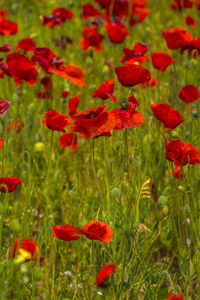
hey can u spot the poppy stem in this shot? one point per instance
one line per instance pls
(50, 150)
(126, 152)
(95, 171)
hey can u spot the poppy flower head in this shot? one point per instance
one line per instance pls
(135, 54)
(165, 113)
(22, 68)
(132, 74)
(56, 121)
(65, 94)
(174, 297)
(180, 4)
(73, 105)
(4, 106)
(138, 15)
(65, 232)
(96, 230)
(177, 37)
(27, 44)
(152, 82)
(105, 91)
(91, 38)
(5, 48)
(117, 31)
(30, 246)
(69, 140)
(89, 11)
(190, 21)
(189, 93)
(9, 184)
(7, 27)
(161, 60)
(104, 274)
(75, 74)
(59, 16)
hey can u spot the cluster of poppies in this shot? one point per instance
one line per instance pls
(22, 63)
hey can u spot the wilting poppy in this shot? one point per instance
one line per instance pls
(190, 21)
(117, 31)
(96, 230)
(165, 113)
(22, 68)
(189, 93)
(65, 232)
(161, 60)
(104, 274)
(5, 48)
(56, 121)
(48, 87)
(177, 37)
(181, 152)
(89, 11)
(93, 122)
(9, 184)
(69, 140)
(131, 74)
(136, 54)
(174, 297)
(105, 91)
(180, 4)
(28, 245)
(73, 105)
(91, 38)
(1, 143)
(7, 27)
(27, 44)
(4, 106)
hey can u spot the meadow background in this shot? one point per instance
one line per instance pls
(154, 216)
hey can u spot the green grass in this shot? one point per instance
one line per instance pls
(150, 264)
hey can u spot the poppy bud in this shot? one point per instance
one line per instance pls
(124, 104)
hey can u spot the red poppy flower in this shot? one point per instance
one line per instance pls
(7, 27)
(104, 274)
(131, 74)
(4, 106)
(73, 73)
(128, 117)
(137, 53)
(69, 140)
(119, 9)
(165, 113)
(5, 48)
(96, 230)
(30, 246)
(138, 15)
(22, 68)
(27, 44)
(189, 93)
(180, 4)
(181, 152)
(18, 125)
(161, 60)
(56, 121)
(174, 297)
(9, 184)
(65, 94)
(65, 232)
(1, 143)
(90, 11)
(190, 21)
(91, 38)
(59, 16)
(93, 122)
(73, 104)
(177, 37)
(150, 83)
(3, 12)
(105, 91)
(117, 31)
